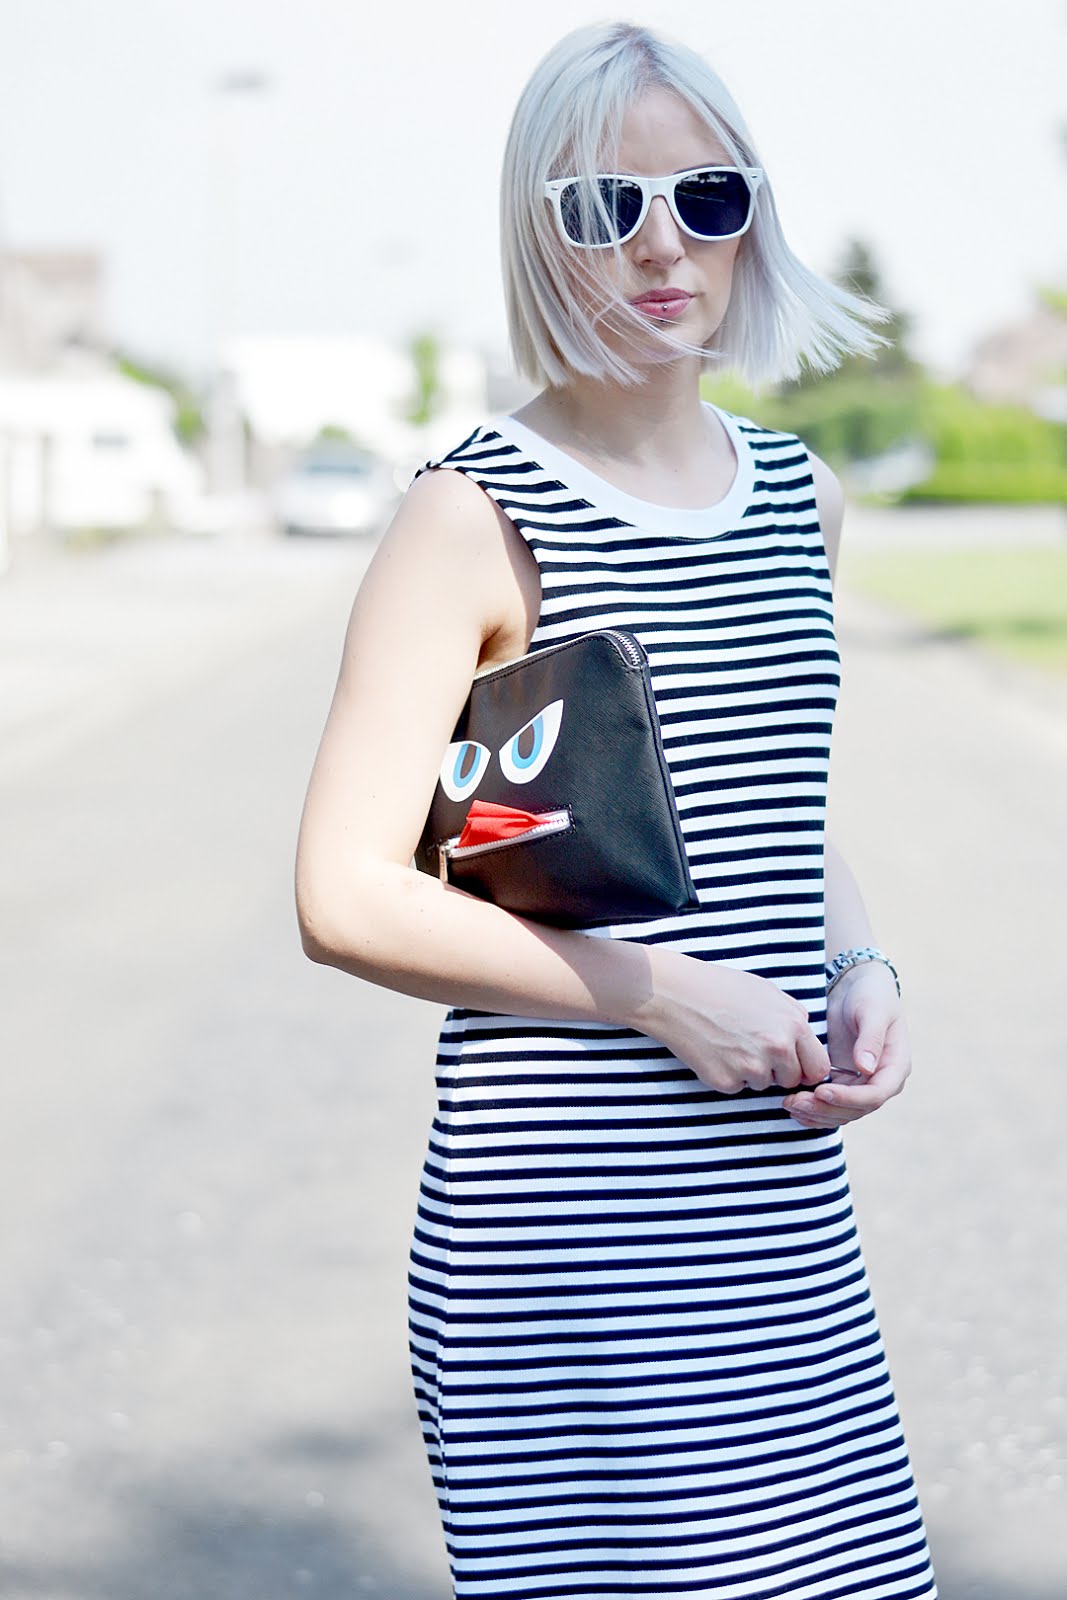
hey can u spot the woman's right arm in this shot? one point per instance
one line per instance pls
(433, 594)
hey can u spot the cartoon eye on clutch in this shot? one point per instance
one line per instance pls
(553, 796)
(521, 758)
(491, 823)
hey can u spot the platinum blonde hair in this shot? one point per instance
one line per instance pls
(568, 122)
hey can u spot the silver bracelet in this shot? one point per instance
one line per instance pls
(851, 958)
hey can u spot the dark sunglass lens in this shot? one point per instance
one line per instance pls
(570, 204)
(623, 201)
(713, 204)
(583, 221)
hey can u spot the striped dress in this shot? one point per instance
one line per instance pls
(645, 1356)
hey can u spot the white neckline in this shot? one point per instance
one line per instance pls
(691, 522)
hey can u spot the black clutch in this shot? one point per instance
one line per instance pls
(554, 799)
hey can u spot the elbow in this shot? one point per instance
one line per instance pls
(347, 924)
(316, 913)
(329, 943)
(320, 936)
(315, 940)
(314, 948)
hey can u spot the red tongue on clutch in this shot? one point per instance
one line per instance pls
(487, 821)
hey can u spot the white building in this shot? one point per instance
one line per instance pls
(51, 309)
(86, 450)
(81, 446)
(289, 387)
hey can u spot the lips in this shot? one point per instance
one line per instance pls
(661, 297)
(663, 303)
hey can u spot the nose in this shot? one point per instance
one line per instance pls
(659, 241)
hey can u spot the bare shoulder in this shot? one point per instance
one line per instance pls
(431, 602)
(830, 504)
(444, 514)
(451, 540)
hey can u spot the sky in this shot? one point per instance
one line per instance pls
(356, 190)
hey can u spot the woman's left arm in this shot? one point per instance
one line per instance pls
(866, 1034)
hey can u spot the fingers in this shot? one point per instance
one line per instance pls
(860, 1098)
(806, 1110)
(831, 1105)
(847, 1102)
(787, 1072)
(867, 1050)
(813, 1110)
(813, 1058)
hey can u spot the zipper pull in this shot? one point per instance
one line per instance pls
(442, 860)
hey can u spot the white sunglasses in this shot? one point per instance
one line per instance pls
(706, 203)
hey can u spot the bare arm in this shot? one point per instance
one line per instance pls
(419, 621)
(866, 1031)
(847, 923)
(432, 597)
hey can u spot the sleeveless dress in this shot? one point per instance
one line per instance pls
(645, 1356)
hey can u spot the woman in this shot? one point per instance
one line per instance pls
(644, 1350)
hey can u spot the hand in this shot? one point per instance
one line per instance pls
(734, 1029)
(869, 1049)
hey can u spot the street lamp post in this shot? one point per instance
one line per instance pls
(226, 467)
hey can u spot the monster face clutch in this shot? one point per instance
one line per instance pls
(554, 799)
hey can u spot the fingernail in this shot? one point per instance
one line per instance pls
(867, 1061)
(826, 1094)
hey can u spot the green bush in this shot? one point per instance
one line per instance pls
(842, 419)
(987, 452)
(998, 482)
(994, 453)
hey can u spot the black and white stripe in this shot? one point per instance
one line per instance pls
(644, 1350)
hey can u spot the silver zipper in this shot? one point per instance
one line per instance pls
(628, 647)
(451, 849)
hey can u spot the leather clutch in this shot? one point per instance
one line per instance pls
(554, 799)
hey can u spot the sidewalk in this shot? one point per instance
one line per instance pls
(948, 791)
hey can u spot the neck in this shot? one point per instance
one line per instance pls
(660, 419)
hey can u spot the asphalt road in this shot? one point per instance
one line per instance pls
(209, 1148)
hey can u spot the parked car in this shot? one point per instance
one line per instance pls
(335, 488)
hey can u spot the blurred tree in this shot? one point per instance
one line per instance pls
(869, 404)
(425, 352)
(189, 421)
(859, 272)
(334, 431)
(1052, 296)
(869, 407)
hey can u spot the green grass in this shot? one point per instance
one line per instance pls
(1014, 601)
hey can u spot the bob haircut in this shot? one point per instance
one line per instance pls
(567, 123)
